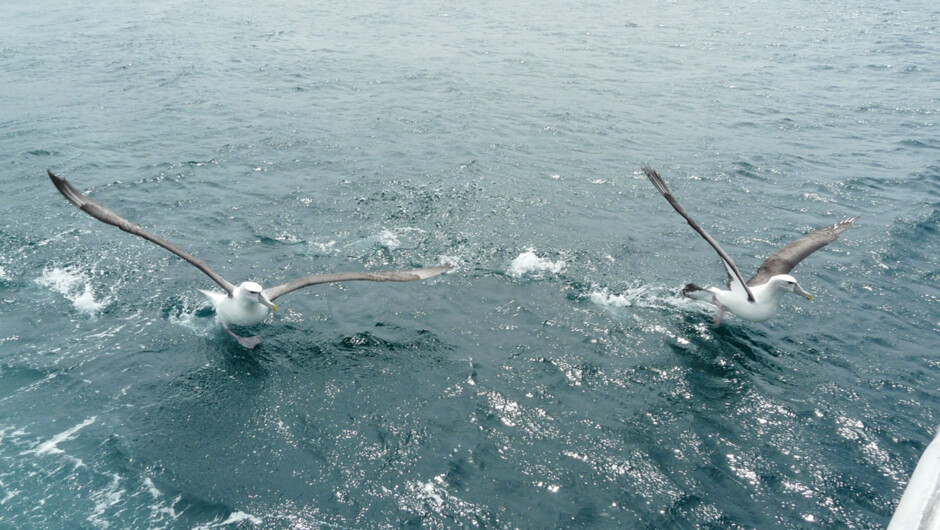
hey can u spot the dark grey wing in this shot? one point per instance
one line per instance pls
(783, 261)
(385, 276)
(105, 215)
(733, 272)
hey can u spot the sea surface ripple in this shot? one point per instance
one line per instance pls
(555, 378)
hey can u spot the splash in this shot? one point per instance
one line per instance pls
(325, 248)
(389, 240)
(646, 296)
(75, 286)
(605, 298)
(641, 296)
(528, 262)
(453, 261)
(187, 313)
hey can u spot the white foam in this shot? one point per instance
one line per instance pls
(110, 332)
(603, 297)
(62, 281)
(104, 499)
(51, 446)
(161, 509)
(86, 302)
(389, 240)
(646, 296)
(528, 262)
(816, 197)
(287, 237)
(16, 434)
(55, 238)
(74, 285)
(430, 492)
(9, 495)
(641, 296)
(325, 248)
(386, 238)
(186, 316)
(31, 388)
(3, 274)
(233, 518)
(432, 497)
(453, 261)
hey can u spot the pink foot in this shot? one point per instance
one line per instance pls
(247, 342)
(721, 313)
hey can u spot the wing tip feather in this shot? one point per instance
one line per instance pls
(656, 179)
(67, 190)
(844, 224)
(430, 272)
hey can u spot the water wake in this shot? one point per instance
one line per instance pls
(645, 296)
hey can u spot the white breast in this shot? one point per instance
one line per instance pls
(763, 307)
(240, 312)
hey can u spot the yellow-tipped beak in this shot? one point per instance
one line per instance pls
(799, 290)
(264, 300)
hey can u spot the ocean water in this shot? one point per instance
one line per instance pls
(555, 378)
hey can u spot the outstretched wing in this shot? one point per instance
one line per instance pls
(105, 215)
(734, 275)
(783, 261)
(385, 276)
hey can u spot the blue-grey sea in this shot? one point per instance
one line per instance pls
(556, 378)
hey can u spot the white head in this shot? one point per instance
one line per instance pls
(253, 292)
(787, 283)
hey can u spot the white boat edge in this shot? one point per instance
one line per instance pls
(920, 504)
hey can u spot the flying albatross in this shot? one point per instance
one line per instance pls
(756, 299)
(248, 303)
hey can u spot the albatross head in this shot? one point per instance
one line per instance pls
(253, 292)
(788, 283)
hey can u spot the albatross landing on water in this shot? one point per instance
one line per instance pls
(248, 303)
(756, 299)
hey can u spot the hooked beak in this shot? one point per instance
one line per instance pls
(799, 290)
(264, 301)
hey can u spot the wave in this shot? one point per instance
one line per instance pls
(51, 446)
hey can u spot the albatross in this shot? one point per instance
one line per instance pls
(245, 304)
(758, 298)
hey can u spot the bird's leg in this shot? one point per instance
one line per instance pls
(721, 313)
(248, 342)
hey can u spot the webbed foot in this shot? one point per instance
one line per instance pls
(721, 313)
(247, 342)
